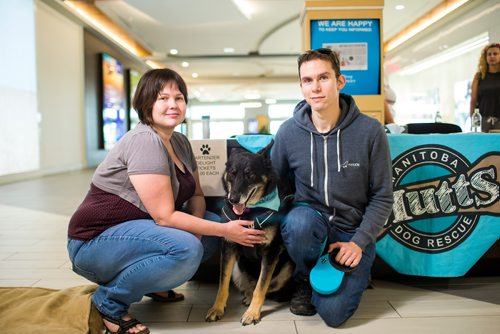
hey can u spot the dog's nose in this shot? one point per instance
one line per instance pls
(234, 198)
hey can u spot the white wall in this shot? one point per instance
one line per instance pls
(19, 132)
(60, 69)
(41, 91)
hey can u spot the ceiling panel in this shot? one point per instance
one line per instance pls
(265, 35)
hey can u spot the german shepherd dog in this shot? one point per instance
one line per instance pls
(249, 180)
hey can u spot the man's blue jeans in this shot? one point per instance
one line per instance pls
(138, 257)
(304, 230)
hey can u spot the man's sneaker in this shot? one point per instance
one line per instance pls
(301, 299)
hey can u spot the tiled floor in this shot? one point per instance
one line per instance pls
(33, 221)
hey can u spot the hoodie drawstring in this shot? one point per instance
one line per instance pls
(325, 166)
(338, 151)
(312, 162)
(325, 158)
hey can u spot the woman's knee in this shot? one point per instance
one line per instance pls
(181, 262)
(190, 249)
(179, 246)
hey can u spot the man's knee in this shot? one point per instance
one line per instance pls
(299, 222)
(336, 315)
(296, 228)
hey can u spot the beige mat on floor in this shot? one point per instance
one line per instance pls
(41, 310)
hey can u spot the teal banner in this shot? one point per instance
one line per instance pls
(446, 211)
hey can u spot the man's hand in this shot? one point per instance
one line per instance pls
(349, 253)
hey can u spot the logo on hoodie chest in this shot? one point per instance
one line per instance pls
(348, 163)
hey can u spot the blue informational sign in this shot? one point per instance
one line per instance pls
(357, 41)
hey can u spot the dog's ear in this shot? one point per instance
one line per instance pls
(266, 151)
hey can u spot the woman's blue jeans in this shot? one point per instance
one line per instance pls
(304, 230)
(138, 257)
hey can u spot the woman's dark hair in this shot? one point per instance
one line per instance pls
(322, 54)
(150, 86)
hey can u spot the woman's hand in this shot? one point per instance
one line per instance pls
(236, 231)
(349, 253)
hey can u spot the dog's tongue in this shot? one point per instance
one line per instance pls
(238, 209)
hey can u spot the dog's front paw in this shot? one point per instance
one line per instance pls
(214, 314)
(250, 318)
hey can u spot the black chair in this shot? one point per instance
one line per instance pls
(424, 128)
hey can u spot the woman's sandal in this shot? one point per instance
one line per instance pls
(123, 325)
(172, 296)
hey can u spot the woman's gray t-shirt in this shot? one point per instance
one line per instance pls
(141, 151)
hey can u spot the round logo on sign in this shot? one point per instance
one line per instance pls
(431, 215)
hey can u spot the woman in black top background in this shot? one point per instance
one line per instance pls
(485, 93)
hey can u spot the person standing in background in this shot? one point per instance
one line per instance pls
(389, 101)
(485, 91)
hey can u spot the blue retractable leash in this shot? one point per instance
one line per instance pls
(326, 276)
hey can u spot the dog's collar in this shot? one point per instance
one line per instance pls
(259, 221)
(263, 215)
(271, 201)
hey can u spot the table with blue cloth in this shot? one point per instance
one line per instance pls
(446, 211)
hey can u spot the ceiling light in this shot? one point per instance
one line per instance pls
(251, 104)
(450, 29)
(245, 7)
(195, 75)
(174, 51)
(271, 101)
(154, 64)
(252, 96)
(100, 21)
(449, 54)
(185, 64)
(228, 50)
(422, 23)
(399, 7)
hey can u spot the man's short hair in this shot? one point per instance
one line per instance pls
(322, 54)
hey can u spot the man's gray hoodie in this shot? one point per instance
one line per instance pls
(345, 173)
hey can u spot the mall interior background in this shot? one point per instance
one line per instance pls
(49, 94)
